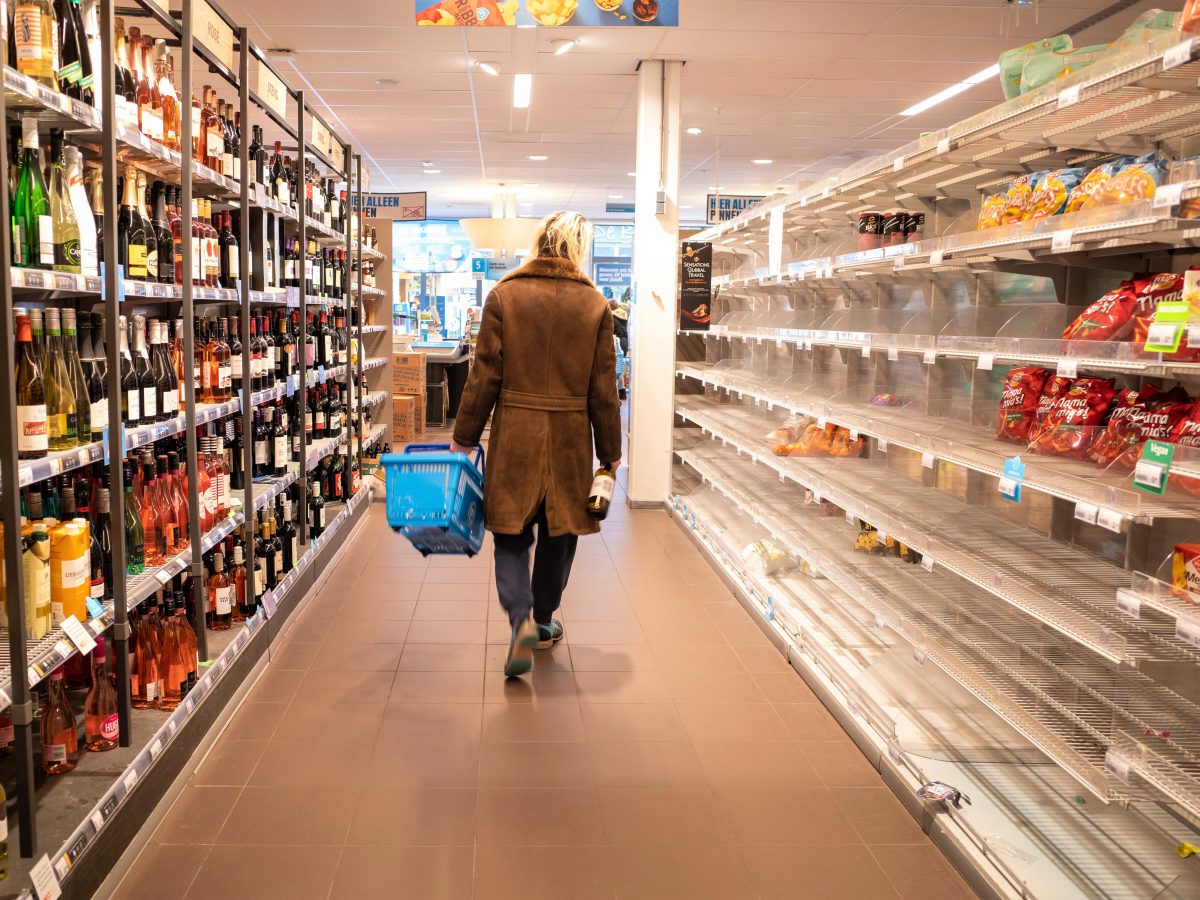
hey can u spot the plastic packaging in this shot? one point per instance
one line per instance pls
(766, 558)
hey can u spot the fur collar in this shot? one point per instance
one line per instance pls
(548, 267)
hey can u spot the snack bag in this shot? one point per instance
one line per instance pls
(1157, 422)
(1186, 433)
(1108, 319)
(1052, 393)
(1049, 198)
(1019, 403)
(1084, 195)
(1151, 290)
(1136, 180)
(1017, 197)
(765, 558)
(1185, 572)
(1012, 62)
(991, 212)
(1075, 419)
(1122, 429)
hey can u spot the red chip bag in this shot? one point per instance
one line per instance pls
(1108, 319)
(1052, 393)
(1121, 431)
(1151, 290)
(1019, 404)
(1075, 419)
(1186, 433)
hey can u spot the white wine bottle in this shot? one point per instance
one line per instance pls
(600, 496)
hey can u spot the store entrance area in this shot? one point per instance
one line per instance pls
(665, 749)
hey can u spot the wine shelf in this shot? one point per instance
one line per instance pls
(65, 282)
(376, 397)
(374, 363)
(376, 434)
(371, 291)
(371, 329)
(370, 252)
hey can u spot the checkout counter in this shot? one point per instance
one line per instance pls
(447, 364)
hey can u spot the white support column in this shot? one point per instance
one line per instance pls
(655, 282)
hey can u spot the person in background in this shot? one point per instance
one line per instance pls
(545, 370)
(620, 316)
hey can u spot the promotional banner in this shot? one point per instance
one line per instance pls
(723, 207)
(547, 13)
(401, 207)
(695, 286)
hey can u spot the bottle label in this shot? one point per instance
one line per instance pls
(278, 563)
(133, 400)
(320, 421)
(67, 254)
(171, 401)
(281, 451)
(235, 366)
(152, 124)
(216, 145)
(320, 517)
(27, 24)
(224, 600)
(110, 728)
(152, 263)
(151, 404)
(76, 572)
(137, 261)
(225, 373)
(33, 434)
(99, 417)
(282, 192)
(195, 123)
(260, 453)
(602, 487)
(70, 73)
(289, 269)
(295, 549)
(232, 259)
(97, 591)
(196, 260)
(54, 753)
(206, 377)
(46, 239)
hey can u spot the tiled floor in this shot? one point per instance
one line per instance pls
(663, 750)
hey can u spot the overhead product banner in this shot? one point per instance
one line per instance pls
(723, 207)
(398, 207)
(272, 91)
(695, 286)
(547, 13)
(213, 32)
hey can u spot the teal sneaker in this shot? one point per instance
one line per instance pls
(549, 635)
(520, 648)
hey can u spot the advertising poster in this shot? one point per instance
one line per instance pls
(547, 13)
(403, 207)
(695, 286)
(723, 207)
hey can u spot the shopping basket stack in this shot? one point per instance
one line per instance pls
(435, 498)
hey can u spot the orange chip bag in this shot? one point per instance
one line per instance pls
(1016, 199)
(991, 212)
(1049, 198)
(1135, 181)
(1083, 196)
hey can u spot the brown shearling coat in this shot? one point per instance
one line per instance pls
(545, 364)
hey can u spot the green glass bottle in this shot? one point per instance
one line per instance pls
(32, 226)
(135, 545)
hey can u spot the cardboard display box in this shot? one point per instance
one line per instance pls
(408, 373)
(404, 419)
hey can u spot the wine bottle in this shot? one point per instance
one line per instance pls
(600, 496)
(165, 273)
(131, 387)
(86, 82)
(147, 230)
(97, 384)
(35, 32)
(102, 568)
(32, 225)
(125, 86)
(70, 63)
(32, 427)
(60, 393)
(78, 380)
(101, 729)
(131, 235)
(135, 549)
(60, 742)
(62, 210)
(84, 220)
(148, 403)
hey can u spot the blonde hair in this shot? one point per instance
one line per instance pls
(565, 235)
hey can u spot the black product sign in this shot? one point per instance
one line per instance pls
(695, 286)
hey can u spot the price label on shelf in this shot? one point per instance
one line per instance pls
(882, 444)
(1188, 630)
(898, 263)
(1086, 512)
(927, 562)
(1068, 96)
(880, 623)
(1060, 241)
(1118, 766)
(130, 781)
(937, 257)
(1176, 56)
(893, 354)
(895, 754)
(44, 881)
(865, 349)
(1129, 602)
(78, 635)
(1068, 368)
(1012, 479)
(929, 357)
(155, 748)
(943, 146)
(898, 164)
(1150, 473)
(1110, 519)
(919, 655)
(1167, 195)
(927, 460)
(985, 362)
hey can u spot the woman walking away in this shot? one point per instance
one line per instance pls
(545, 364)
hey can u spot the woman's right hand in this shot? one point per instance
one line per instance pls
(614, 466)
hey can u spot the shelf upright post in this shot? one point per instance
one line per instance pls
(189, 336)
(352, 383)
(21, 710)
(356, 187)
(244, 286)
(116, 427)
(302, 389)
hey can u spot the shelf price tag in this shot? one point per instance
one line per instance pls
(1118, 766)
(1068, 368)
(78, 635)
(898, 164)
(943, 146)
(1150, 473)
(937, 257)
(1170, 321)
(45, 882)
(927, 460)
(1167, 195)
(1068, 96)
(1110, 519)
(1177, 55)
(865, 349)
(927, 562)
(986, 362)
(1060, 241)
(1188, 630)
(1129, 602)
(1086, 512)
(893, 354)
(1012, 479)
(929, 357)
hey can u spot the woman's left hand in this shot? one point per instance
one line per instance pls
(456, 447)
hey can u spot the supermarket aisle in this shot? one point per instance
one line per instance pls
(665, 749)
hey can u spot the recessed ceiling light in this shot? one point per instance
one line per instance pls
(522, 90)
(563, 46)
(693, 131)
(616, 196)
(531, 184)
(387, 82)
(428, 164)
(539, 158)
(432, 171)
(631, 174)
(719, 187)
(762, 162)
(688, 206)
(488, 67)
(953, 91)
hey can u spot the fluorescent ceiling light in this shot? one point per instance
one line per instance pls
(616, 196)
(563, 46)
(539, 158)
(953, 91)
(522, 90)
(762, 162)
(688, 206)
(693, 131)
(432, 171)
(488, 68)
(719, 187)
(631, 174)
(387, 82)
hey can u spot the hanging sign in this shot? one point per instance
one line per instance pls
(337, 155)
(725, 207)
(547, 13)
(272, 92)
(213, 32)
(320, 136)
(695, 286)
(401, 207)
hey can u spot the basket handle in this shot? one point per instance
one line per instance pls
(425, 448)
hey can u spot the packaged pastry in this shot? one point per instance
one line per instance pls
(1108, 319)
(1084, 195)
(1019, 403)
(1017, 197)
(1185, 572)
(1049, 198)
(1136, 180)
(844, 445)
(789, 431)
(991, 212)
(1075, 419)
(868, 539)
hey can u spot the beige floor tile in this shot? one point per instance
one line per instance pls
(541, 764)
(713, 687)
(612, 657)
(294, 655)
(345, 687)
(442, 658)
(432, 817)
(532, 722)
(255, 721)
(647, 764)
(834, 872)
(290, 814)
(721, 721)
(367, 631)
(742, 633)
(447, 722)
(543, 873)
(422, 763)
(277, 685)
(316, 721)
(785, 687)
(762, 659)
(163, 871)
(681, 872)
(538, 817)
(197, 815)
(632, 722)
(266, 873)
(634, 817)
(381, 659)
(554, 659)
(229, 763)
(697, 658)
(729, 611)
(478, 575)
(621, 687)
(921, 873)
(598, 611)
(413, 573)
(703, 633)
(447, 632)
(360, 608)
(437, 593)
(840, 764)
(339, 764)
(786, 816)
(405, 873)
(756, 766)
(452, 610)
(542, 685)
(594, 591)
(878, 816)
(382, 593)
(662, 615)
(437, 687)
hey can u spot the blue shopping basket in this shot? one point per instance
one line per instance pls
(435, 498)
